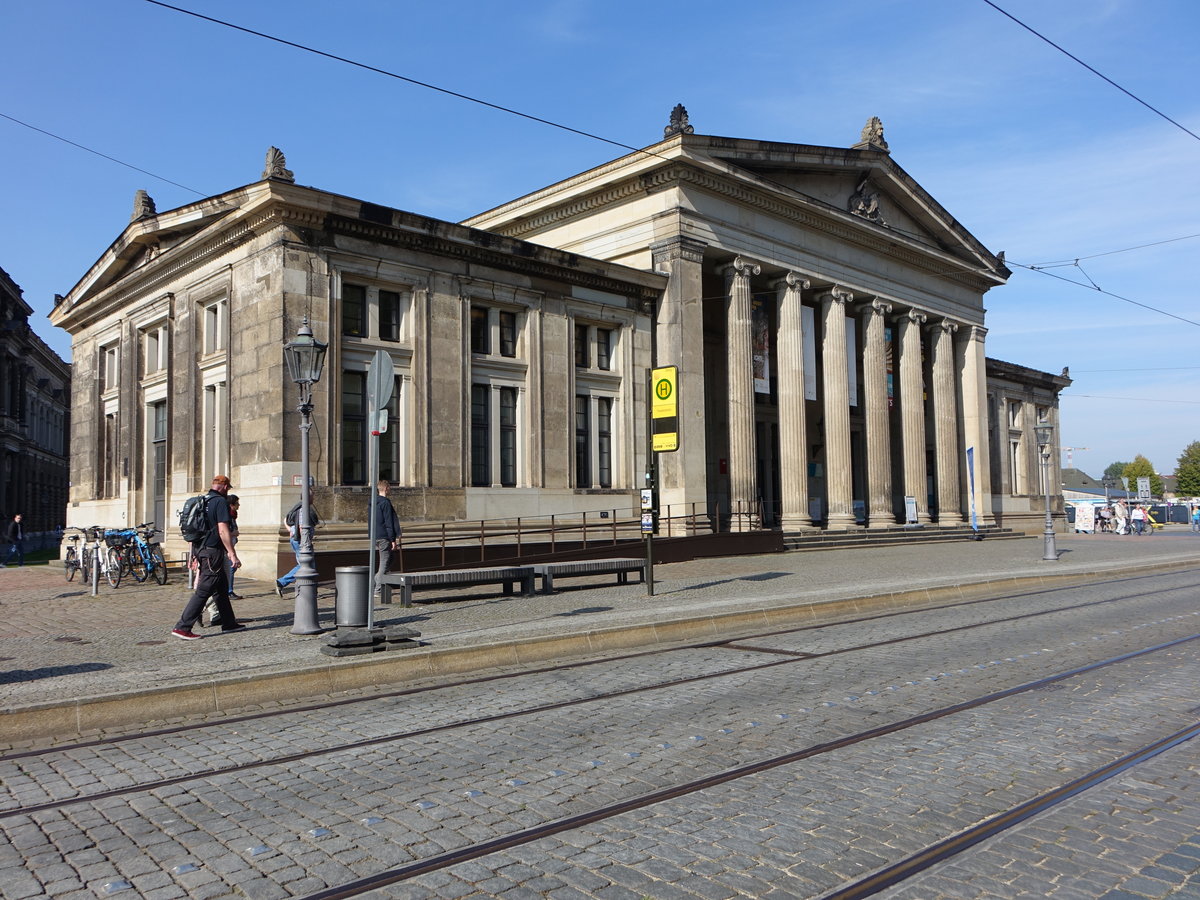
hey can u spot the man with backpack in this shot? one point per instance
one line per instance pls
(292, 522)
(211, 546)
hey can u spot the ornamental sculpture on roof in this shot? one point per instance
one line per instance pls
(679, 122)
(276, 168)
(143, 206)
(872, 136)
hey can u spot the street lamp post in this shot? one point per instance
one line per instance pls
(305, 358)
(1045, 432)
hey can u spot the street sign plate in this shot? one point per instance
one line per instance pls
(380, 380)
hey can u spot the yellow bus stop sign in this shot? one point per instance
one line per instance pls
(664, 408)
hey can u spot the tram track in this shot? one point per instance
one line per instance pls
(781, 658)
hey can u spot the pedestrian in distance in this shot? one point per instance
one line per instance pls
(210, 553)
(16, 541)
(1138, 517)
(292, 523)
(387, 531)
(1196, 519)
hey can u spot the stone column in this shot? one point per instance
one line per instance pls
(679, 317)
(912, 411)
(836, 391)
(972, 367)
(793, 431)
(945, 423)
(743, 474)
(881, 511)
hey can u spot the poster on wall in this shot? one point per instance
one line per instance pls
(852, 360)
(760, 335)
(888, 358)
(808, 324)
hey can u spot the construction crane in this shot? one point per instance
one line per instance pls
(1070, 458)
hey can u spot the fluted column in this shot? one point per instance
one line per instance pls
(743, 475)
(945, 423)
(836, 392)
(881, 510)
(912, 411)
(793, 430)
(972, 366)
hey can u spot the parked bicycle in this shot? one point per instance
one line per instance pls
(71, 563)
(97, 552)
(144, 555)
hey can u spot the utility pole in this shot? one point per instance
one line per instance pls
(1070, 458)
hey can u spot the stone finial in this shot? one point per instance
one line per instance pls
(864, 202)
(679, 122)
(143, 207)
(872, 136)
(276, 168)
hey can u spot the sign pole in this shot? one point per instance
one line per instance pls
(648, 492)
(380, 382)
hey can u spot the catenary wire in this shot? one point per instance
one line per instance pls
(1071, 262)
(1090, 69)
(1093, 287)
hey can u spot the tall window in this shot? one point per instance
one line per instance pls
(354, 310)
(108, 373)
(215, 429)
(508, 333)
(389, 441)
(604, 348)
(583, 441)
(157, 416)
(495, 331)
(593, 441)
(214, 320)
(594, 346)
(389, 315)
(109, 456)
(154, 350)
(582, 359)
(508, 437)
(481, 435)
(604, 441)
(481, 333)
(354, 427)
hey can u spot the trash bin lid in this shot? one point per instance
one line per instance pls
(353, 570)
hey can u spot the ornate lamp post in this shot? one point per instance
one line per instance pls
(305, 358)
(1045, 433)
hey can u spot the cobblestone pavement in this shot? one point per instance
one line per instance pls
(290, 828)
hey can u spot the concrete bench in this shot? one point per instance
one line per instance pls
(619, 567)
(506, 575)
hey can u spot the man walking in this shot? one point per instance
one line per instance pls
(292, 522)
(210, 553)
(16, 541)
(387, 531)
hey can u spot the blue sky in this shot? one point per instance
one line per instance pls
(1031, 152)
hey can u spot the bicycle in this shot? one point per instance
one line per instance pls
(107, 558)
(144, 556)
(71, 563)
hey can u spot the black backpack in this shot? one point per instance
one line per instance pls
(193, 519)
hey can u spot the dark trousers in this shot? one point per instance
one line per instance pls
(18, 548)
(210, 583)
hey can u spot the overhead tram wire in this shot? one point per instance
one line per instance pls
(1072, 396)
(101, 155)
(1056, 263)
(1090, 69)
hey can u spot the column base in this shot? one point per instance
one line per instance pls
(886, 520)
(842, 523)
(797, 524)
(951, 521)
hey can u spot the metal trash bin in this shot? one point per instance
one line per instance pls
(353, 595)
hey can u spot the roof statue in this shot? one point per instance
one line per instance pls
(864, 202)
(143, 206)
(872, 136)
(276, 168)
(679, 122)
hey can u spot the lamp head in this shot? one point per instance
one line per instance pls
(305, 356)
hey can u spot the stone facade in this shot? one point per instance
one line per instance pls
(35, 390)
(826, 315)
(516, 367)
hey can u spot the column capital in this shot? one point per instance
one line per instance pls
(915, 316)
(740, 268)
(946, 325)
(792, 281)
(875, 306)
(975, 332)
(678, 247)
(836, 294)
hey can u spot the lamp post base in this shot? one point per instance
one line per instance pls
(1051, 549)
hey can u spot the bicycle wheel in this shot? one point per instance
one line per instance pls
(70, 564)
(112, 567)
(136, 557)
(159, 564)
(86, 566)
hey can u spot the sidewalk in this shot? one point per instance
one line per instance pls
(72, 664)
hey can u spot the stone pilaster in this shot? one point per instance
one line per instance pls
(972, 367)
(912, 411)
(945, 423)
(836, 383)
(881, 510)
(793, 430)
(679, 317)
(743, 474)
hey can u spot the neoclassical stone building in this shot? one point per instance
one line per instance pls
(516, 367)
(35, 390)
(826, 314)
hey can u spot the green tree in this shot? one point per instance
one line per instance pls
(1141, 467)
(1114, 470)
(1188, 470)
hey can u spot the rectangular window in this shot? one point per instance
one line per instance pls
(481, 435)
(389, 315)
(216, 326)
(508, 333)
(354, 427)
(108, 368)
(481, 332)
(508, 437)
(389, 441)
(354, 310)
(583, 441)
(604, 348)
(1014, 413)
(215, 444)
(108, 457)
(1015, 469)
(153, 360)
(604, 441)
(581, 346)
(158, 463)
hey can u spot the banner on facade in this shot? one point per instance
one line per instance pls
(808, 324)
(760, 336)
